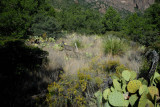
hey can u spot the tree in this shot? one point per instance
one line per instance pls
(153, 15)
(16, 16)
(43, 23)
(81, 20)
(112, 20)
(138, 29)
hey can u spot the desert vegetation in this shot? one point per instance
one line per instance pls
(56, 55)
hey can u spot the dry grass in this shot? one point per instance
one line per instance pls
(92, 47)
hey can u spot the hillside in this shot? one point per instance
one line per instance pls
(66, 53)
(102, 5)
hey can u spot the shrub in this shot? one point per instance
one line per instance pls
(78, 42)
(115, 46)
(71, 90)
(113, 67)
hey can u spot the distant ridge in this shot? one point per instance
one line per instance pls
(102, 5)
(128, 5)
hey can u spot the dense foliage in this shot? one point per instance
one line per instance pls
(81, 20)
(112, 20)
(16, 16)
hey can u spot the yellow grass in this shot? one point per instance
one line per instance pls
(92, 47)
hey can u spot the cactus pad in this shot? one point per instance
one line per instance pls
(157, 80)
(143, 89)
(143, 101)
(124, 85)
(112, 89)
(117, 85)
(153, 91)
(116, 99)
(143, 81)
(106, 93)
(133, 99)
(133, 86)
(126, 103)
(126, 75)
(98, 95)
(150, 104)
(107, 104)
(133, 75)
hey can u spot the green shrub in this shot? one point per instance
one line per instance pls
(72, 90)
(115, 46)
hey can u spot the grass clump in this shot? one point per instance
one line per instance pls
(78, 43)
(115, 46)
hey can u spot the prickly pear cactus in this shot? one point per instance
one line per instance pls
(133, 99)
(116, 99)
(156, 74)
(106, 93)
(99, 98)
(126, 103)
(143, 81)
(143, 89)
(117, 85)
(153, 81)
(124, 85)
(126, 75)
(153, 91)
(112, 89)
(143, 101)
(133, 75)
(157, 80)
(150, 104)
(107, 104)
(133, 86)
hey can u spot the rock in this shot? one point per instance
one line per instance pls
(128, 5)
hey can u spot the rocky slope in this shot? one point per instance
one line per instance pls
(128, 5)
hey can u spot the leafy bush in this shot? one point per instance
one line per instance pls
(115, 46)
